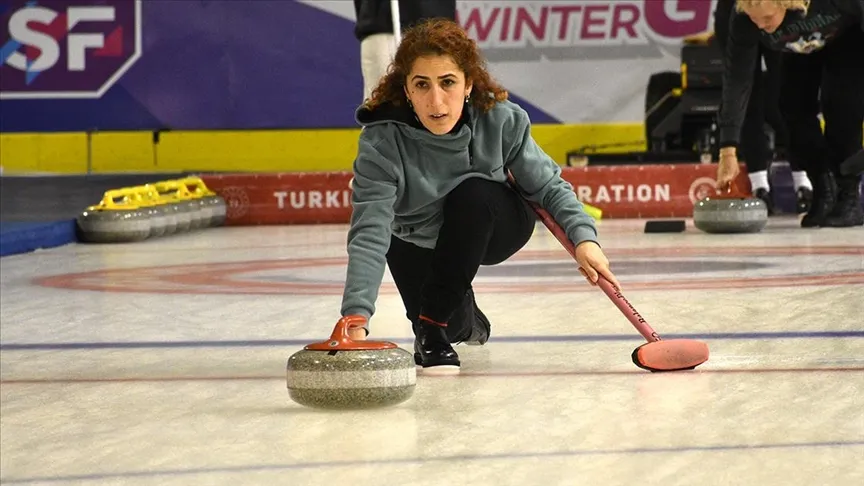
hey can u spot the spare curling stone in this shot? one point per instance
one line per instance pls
(116, 219)
(182, 197)
(149, 194)
(730, 212)
(157, 215)
(177, 215)
(344, 374)
(198, 195)
(218, 209)
(185, 212)
(201, 218)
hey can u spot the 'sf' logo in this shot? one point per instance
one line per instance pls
(68, 49)
(44, 43)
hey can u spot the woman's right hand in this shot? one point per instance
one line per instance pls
(358, 327)
(727, 168)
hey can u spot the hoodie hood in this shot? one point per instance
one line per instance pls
(386, 113)
(404, 115)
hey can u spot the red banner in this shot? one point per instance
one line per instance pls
(646, 191)
(286, 198)
(633, 191)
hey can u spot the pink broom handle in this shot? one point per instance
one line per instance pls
(614, 295)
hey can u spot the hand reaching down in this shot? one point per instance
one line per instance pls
(592, 263)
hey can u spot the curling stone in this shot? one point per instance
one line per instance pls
(149, 194)
(200, 209)
(187, 212)
(177, 215)
(218, 209)
(116, 219)
(344, 374)
(182, 197)
(157, 215)
(198, 195)
(730, 212)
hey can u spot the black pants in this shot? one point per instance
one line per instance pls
(485, 223)
(838, 71)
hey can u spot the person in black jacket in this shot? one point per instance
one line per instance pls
(764, 107)
(823, 70)
(374, 30)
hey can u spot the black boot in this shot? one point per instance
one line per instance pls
(824, 199)
(847, 212)
(474, 327)
(467, 325)
(432, 348)
(481, 330)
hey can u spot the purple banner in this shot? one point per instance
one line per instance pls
(77, 65)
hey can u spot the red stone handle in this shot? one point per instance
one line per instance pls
(340, 340)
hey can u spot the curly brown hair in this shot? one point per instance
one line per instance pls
(438, 36)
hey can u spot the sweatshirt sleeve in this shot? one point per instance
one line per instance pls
(741, 55)
(374, 194)
(539, 177)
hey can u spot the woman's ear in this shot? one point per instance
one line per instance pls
(407, 98)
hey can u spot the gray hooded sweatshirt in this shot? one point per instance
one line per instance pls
(403, 173)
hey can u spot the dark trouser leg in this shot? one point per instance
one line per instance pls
(843, 110)
(754, 140)
(409, 265)
(799, 104)
(773, 115)
(484, 223)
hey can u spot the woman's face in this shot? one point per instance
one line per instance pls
(766, 15)
(437, 89)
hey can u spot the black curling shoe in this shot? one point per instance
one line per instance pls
(432, 351)
(824, 199)
(847, 212)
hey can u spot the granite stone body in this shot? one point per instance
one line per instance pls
(732, 215)
(352, 379)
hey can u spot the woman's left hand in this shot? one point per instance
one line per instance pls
(592, 263)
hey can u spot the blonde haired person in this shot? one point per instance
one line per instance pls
(764, 107)
(822, 71)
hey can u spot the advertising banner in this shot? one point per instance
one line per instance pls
(655, 191)
(584, 61)
(76, 65)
